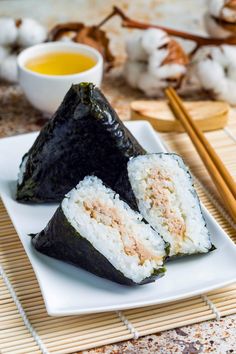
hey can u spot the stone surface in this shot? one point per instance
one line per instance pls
(17, 117)
(207, 337)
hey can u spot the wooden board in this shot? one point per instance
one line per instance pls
(210, 115)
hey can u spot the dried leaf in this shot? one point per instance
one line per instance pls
(230, 4)
(80, 33)
(176, 54)
(227, 14)
(61, 29)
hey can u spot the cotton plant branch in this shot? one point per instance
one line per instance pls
(209, 70)
(95, 36)
(200, 40)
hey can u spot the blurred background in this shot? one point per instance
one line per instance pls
(181, 14)
(151, 75)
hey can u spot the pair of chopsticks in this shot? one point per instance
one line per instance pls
(221, 177)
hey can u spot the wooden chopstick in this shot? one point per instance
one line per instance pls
(216, 173)
(217, 161)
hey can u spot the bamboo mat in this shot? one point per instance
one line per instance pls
(25, 326)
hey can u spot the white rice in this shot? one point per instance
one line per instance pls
(107, 239)
(178, 203)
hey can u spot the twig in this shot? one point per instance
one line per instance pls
(108, 17)
(130, 23)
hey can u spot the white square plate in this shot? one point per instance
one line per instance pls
(68, 290)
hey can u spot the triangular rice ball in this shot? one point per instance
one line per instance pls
(84, 137)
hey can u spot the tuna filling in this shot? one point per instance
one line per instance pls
(160, 193)
(110, 217)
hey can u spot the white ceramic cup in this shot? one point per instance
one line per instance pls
(46, 92)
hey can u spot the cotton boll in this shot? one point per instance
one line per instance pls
(214, 29)
(192, 79)
(134, 47)
(153, 39)
(211, 52)
(232, 71)
(228, 12)
(214, 80)
(8, 31)
(229, 93)
(217, 72)
(210, 74)
(223, 10)
(168, 63)
(170, 71)
(156, 59)
(230, 53)
(215, 7)
(8, 69)
(229, 15)
(30, 32)
(202, 53)
(166, 71)
(4, 52)
(151, 85)
(133, 71)
(218, 55)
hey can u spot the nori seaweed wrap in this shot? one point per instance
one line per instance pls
(94, 229)
(84, 137)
